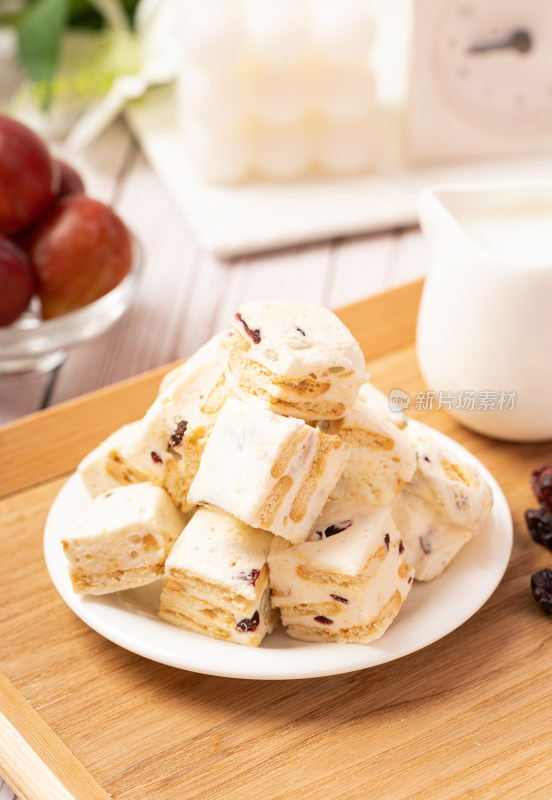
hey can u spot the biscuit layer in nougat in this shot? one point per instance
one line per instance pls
(216, 580)
(270, 471)
(297, 359)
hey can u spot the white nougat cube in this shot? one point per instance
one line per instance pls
(217, 579)
(347, 582)
(121, 539)
(167, 443)
(272, 472)
(104, 467)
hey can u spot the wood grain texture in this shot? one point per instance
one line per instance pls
(467, 717)
(35, 762)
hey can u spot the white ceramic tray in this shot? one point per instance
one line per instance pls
(236, 220)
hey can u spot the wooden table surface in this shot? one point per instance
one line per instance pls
(186, 294)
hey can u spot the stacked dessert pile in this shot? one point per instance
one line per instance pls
(269, 480)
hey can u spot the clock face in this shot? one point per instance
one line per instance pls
(493, 62)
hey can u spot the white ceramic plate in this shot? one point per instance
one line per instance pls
(430, 611)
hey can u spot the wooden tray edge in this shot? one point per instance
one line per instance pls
(35, 762)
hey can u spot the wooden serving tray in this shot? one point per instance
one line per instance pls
(82, 718)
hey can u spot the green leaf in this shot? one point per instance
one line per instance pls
(84, 15)
(39, 35)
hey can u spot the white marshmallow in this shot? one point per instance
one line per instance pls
(282, 98)
(382, 458)
(219, 157)
(212, 32)
(456, 491)
(431, 541)
(282, 152)
(345, 149)
(219, 100)
(344, 30)
(277, 31)
(345, 94)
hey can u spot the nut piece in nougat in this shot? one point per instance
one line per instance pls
(121, 539)
(298, 359)
(270, 471)
(104, 467)
(347, 582)
(382, 457)
(168, 442)
(216, 579)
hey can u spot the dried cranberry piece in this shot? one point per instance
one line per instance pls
(387, 540)
(541, 586)
(178, 435)
(541, 483)
(255, 334)
(539, 524)
(337, 527)
(156, 458)
(323, 620)
(249, 625)
(401, 546)
(341, 599)
(249, 577)
(301, 331)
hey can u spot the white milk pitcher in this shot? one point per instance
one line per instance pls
(484, 336)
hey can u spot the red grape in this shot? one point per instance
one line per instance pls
(29, 179)
(17, 282)
(70, 180)
(79, 251)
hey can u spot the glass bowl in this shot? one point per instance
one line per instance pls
(34, 344)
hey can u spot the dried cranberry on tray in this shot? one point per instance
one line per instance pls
(539, 525)
(541, 586)
(541, 483)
